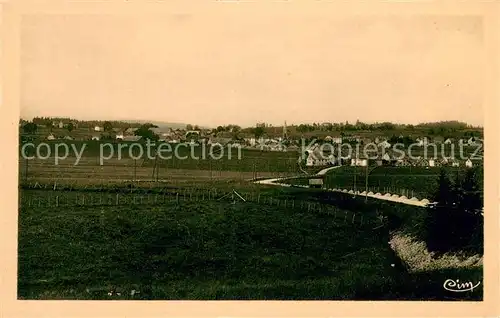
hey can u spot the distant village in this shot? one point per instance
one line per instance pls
(265, 138)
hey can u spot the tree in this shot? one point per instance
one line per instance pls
(30, 128)
(48, 124)
(468, 192)
(146, 133)
(455, 222)
(70, 127)
(189, 127)
(258, 132)
(107, 126)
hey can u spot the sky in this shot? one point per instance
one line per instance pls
(230, 68)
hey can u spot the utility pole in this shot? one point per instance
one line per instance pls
(355, 172)
(135, 170)
(26, 170)
(157, 167)
(366, 184)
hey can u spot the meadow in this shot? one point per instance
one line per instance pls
(125, 230)
(209, 249)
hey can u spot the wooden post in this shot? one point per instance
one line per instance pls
(26, 170)
(135, 170)
(57, 200)
(116, 201)
(345, 219)
(361, 219)
(177, 197)
(353, 216)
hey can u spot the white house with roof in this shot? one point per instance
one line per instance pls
(454, 163)
(51, 137)
(468, 163)
(386, 157)
(384, 144)
(131, 138)
(97, 128)
(359, 162)
(422, 141)
(472, 141)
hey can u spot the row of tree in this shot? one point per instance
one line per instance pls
(456, 221)
(49, 121)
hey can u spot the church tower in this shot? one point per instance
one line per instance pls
(285, 134)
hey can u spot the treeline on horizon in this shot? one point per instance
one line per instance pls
(438, 127)
(46, 121)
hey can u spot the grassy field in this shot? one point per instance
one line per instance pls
(208, 250)
(197, 158)
(212, 250)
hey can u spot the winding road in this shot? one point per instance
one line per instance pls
(387, 196)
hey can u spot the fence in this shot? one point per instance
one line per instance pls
(248, 167)
(64, 199)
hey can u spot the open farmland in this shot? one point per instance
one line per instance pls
(210, 249)
(228, 163)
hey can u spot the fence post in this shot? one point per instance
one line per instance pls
(116, 201)
(361, 219)
(345, 219)
(57, 200)
(258, 198)
(177, 197)
(353, 216)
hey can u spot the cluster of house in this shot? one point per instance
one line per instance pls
(419, 141)
(314, 157)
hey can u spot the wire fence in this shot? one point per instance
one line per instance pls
(63, 200)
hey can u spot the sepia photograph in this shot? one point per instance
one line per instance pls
(241, 154)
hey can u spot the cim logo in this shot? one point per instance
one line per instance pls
(457, 287)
